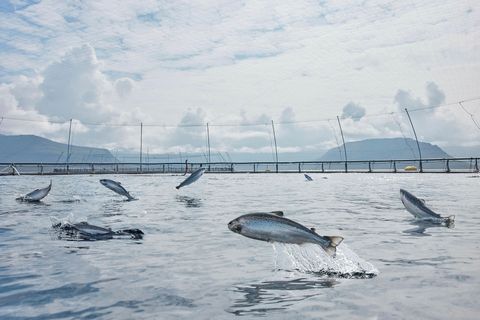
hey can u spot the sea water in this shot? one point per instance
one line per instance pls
(190, 266)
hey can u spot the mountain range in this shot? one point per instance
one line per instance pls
(30, 148)
(384, 149)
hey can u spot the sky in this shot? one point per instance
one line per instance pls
(177, 65)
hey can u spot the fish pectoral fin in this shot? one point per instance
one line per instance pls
(277, 213)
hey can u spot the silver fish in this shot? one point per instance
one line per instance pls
(117, 187)
(418, 208)
(192, 178)
(275, 228)
(86, 231)
(37, 194)
(308, 177)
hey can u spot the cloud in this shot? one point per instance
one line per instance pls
(123, 87)
(138, 61)
(436, 122)
(74, 87)
(353, 111)
(190, 135)
(11, 100)
(435, 97)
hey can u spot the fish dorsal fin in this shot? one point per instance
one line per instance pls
(313, 229)
(422, 200)
(277, 213)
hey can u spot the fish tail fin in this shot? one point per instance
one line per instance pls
(334, 242)
(135, 233)
(450, 220)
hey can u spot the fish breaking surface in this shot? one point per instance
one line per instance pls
(311, 258)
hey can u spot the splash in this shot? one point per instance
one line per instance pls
(310, 258)
(70, 219)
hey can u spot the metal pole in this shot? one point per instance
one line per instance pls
(68, 146)
(141, 144)
(418, 145)
(276, 151)
(208, 144)
(344, 147)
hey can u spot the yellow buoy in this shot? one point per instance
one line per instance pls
(410, 168)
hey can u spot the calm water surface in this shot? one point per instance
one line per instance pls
(189, 265)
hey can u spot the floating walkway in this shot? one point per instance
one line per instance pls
(446, 165)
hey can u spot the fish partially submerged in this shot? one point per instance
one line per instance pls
(117, 187)
(88, 232)
(418, 208)
(308, 177)
(192, 178)
(37, 194)
(273, 227)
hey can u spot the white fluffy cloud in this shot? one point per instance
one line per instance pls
(238, 62)
(353, 111)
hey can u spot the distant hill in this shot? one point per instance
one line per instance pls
(384, 149)
(30, 148)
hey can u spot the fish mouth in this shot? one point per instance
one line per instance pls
(235, 226)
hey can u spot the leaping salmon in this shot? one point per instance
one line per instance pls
(418, 208)
(273, 227)
(117, 187)
(37, 194)
(192, 178)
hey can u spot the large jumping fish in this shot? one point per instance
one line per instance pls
(88, 232)
(37, 194)
(418, 208)
(275, 228)
(192, 178)
(117, 187)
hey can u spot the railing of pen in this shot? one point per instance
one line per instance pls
(374, 166)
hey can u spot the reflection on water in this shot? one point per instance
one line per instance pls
(423, 225)
(189, 202)
(32, 203)
(113, 208)
(276, 295)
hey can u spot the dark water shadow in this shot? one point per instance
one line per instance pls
(262, 298)
(70, 200)
(189, 202)
(46, 296)
(137, 307)
(421, 227)
(344, 275)
(32, 203)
